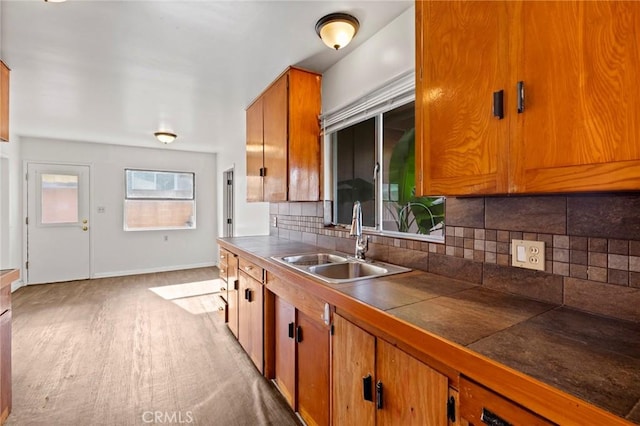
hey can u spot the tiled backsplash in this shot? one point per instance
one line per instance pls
(592, 245)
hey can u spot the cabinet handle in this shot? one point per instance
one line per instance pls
(492, 419)
(498, 104)
(223, 289)
(298, 334)
(249, 295)
(248, 268)
(520, 90)
(291, 330)
(379, 404)
(263, 171)
(367, 392)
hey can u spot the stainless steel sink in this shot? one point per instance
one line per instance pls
(337, 268)
(314, 259)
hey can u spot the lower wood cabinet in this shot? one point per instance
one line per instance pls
(231, 262)
(302, 362)
(5, 365)
(375, 383)
(250, 317)
(480, 406)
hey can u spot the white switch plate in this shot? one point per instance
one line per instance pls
(527, 254)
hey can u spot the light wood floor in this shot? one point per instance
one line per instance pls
(144, 349)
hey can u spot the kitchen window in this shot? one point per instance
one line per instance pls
(158, 200)
(372, 152)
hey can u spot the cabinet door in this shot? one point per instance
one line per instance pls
(353, 352)
(232, 293)
(580, 127)
(313, 370)
(412, 392)
(275, 141)
(4, 102)
(250, 328)
(285, 349)
(462, 59)
(304, 135)
(5, 365)
(254, 151)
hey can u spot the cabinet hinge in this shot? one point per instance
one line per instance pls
(333, 330)
(26, 220)
(229, 221)
(229, 182)
(451, 409)
(26, 264)
(26, 176)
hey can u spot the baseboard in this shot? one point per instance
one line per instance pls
(152, 270)
(17, 284)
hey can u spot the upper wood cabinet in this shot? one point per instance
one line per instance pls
(283, 139)
(4, 102)
(577, 126)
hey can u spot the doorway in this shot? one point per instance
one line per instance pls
(58, 230)
(227, 205)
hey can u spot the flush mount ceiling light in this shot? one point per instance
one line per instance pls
(337, 29)
(165, 137)
(54, 1)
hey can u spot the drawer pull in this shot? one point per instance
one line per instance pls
(367, 385)
(492, 419)
(248, 268)
(223, 289)
(222, 256)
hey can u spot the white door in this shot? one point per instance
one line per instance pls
(58, 227)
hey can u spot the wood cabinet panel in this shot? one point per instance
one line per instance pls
(255, 158)
(476, 401)
(414, 394)
(275, 141)
(304, 136)
(581, 121)
(4, 102)
(577, 131)
(353, 359)
(5, 365)
(232, 293)
(283, 139)
(313, 370)
(285, 348)
(461, 49)
(251, 269)
(250, 318)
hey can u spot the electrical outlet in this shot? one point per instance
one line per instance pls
(527, 254)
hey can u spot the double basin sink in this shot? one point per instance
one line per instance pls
(338, 268)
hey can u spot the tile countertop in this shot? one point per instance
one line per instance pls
(593, 358)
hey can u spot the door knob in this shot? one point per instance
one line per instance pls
(84, 228)
(84, 221)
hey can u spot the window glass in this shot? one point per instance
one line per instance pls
(59, 203)
(377, 168)
(355, 161)
(402, 210)
(159, 200)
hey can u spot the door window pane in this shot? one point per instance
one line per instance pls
(59, 199)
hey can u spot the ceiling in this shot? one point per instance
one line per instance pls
(116, 71)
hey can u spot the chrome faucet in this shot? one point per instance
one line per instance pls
(362, 244)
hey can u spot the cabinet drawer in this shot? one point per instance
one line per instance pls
(480, 406)
(253, 270)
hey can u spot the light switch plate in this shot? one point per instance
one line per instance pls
(527, 254)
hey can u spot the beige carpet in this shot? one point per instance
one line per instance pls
(145, 349)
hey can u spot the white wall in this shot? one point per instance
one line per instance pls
(250, 218)
(386, 55)
(116, 252)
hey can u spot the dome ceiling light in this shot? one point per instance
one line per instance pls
(337, 29)
(165, 137)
